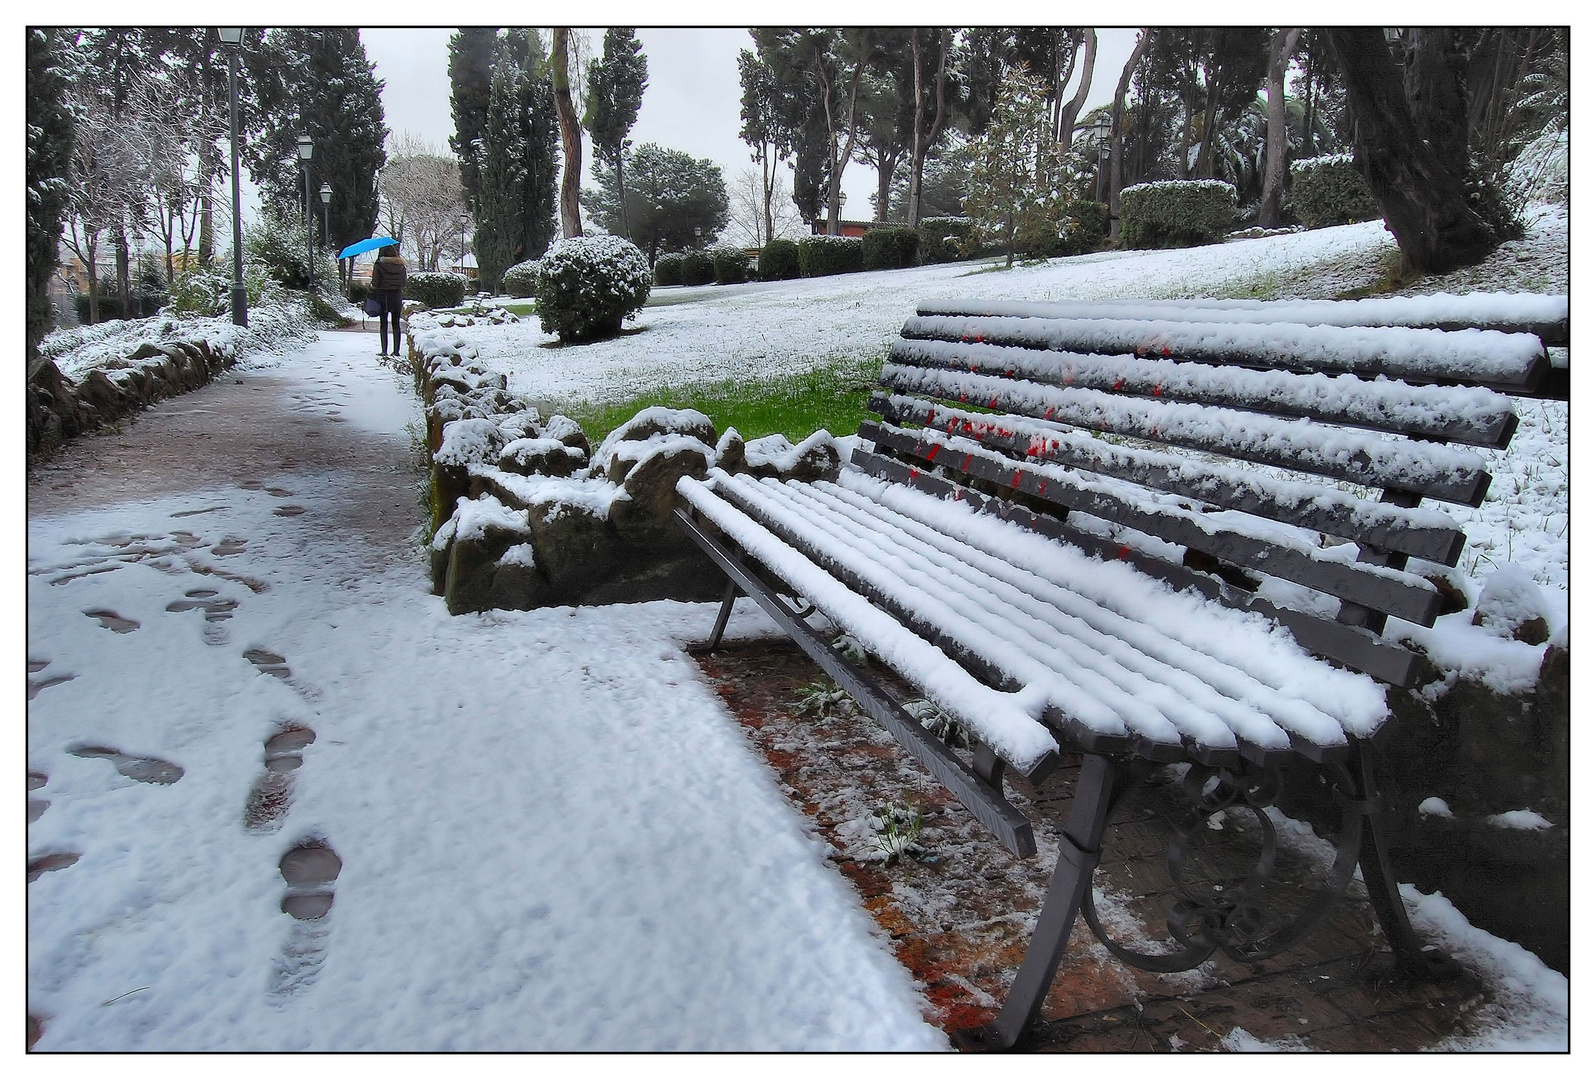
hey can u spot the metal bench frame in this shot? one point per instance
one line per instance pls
(1228, 922)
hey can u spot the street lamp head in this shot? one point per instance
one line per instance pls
(325, 193)
(305, 148)
(231, 35)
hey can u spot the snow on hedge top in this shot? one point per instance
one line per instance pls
(1320, 161)
(1487, 356)
(1180, 185)
(1484, 309)
(603, 255)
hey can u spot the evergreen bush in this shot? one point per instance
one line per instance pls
(668, 269)
(435, 290)
(731, 266)
(778, 260)
(586, 286)
(1329, 190)
(1176, 213)
(520, 279)
(819, 256)
(1090, 227)
(893, 248)
(942, 239)
(359, 289)
(279, 247)
(698, 268)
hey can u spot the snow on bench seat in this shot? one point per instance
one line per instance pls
(1008, 722)
(1100, 670)
(1488, 357)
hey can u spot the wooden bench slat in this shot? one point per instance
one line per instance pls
(1354, 647)
(1542, 314)
(1469, 415)
(1404, 595)
(1434, 470)
(1425, 534)
(1506, 362)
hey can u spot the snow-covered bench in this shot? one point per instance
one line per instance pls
(1160, 539)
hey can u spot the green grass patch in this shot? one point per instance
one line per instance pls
(832, 396)
(523, 308)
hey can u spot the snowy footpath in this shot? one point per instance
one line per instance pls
(537, 830)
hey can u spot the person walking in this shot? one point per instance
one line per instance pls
(388, 284)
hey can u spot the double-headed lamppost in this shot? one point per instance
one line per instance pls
(306, 148)
(233, 38)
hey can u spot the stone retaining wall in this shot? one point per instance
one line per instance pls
(527, 513)
(59, 408)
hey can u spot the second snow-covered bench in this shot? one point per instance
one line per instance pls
(1144, 536)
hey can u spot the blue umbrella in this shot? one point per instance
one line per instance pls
(360, 247)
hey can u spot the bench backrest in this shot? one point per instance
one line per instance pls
(1238, 446)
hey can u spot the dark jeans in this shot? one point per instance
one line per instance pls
(392, 305)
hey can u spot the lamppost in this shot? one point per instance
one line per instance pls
(306, 148)
(462, 219)
(233, 38)
(326, 198)
(1105, 131)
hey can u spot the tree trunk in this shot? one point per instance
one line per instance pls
(1280, 49)
(1116, 171)
(1308, 112)
(884, 169)
(570, 135)
(91, 247)
(124, 278)
(1410, 141)
(924, 140)
(1072, 111)
(620, 190)
(767, 173)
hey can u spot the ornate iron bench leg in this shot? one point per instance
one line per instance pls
(1079, 851)
(1381, 883)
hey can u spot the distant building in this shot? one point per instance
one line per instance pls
(853, 228)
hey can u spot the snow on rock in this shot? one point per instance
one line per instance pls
(1434, 807)
(1463, 651)
(817, 457)
(1519, 819)
(655, 421)
(468, 441)
(547, 456)
(475, 518)
(519, 555)
(1509, 605)
(552, 496)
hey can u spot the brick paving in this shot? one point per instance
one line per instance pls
(959, 909)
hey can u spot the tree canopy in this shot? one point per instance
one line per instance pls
(674, 202)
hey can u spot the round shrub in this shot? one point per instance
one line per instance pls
(520, 278)
(698, 268)
(1085, 226)
(731, 266)
(892, 248)
(435, 290)
(778, 260)
(668, 269)
(1176, 213)
(822, 255)
(586, 285)
(942, 239)
(359, 289)
(1329, 190)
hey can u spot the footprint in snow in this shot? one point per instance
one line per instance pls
(268, 799)
(146, 770)
(36, 685)
(112, 621)
(55, 860)
(309, 870)
(289, 511)
(36, 807)
(269, 663)
(217, 610)
(230, 545)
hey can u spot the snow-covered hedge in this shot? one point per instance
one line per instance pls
(668, 268)
(436, 290)
(1329, 190)
(941, 238)
(891, 249)
(778, 260)
(822, 255)
(587, 285)
(698, 268)
(731, 266)
(520, 279)
(1176, 213)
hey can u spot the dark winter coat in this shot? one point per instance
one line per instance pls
(388, 274)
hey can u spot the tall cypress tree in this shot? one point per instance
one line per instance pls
(539, 151)
(470, 76)
(49, 156)
(501, 206)
(615, 85)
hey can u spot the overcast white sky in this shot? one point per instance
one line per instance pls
(691, 103)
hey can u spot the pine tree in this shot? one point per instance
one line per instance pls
(501, 205)
(539, 141)
(470, 76)
(615, 85)
(49, 155)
